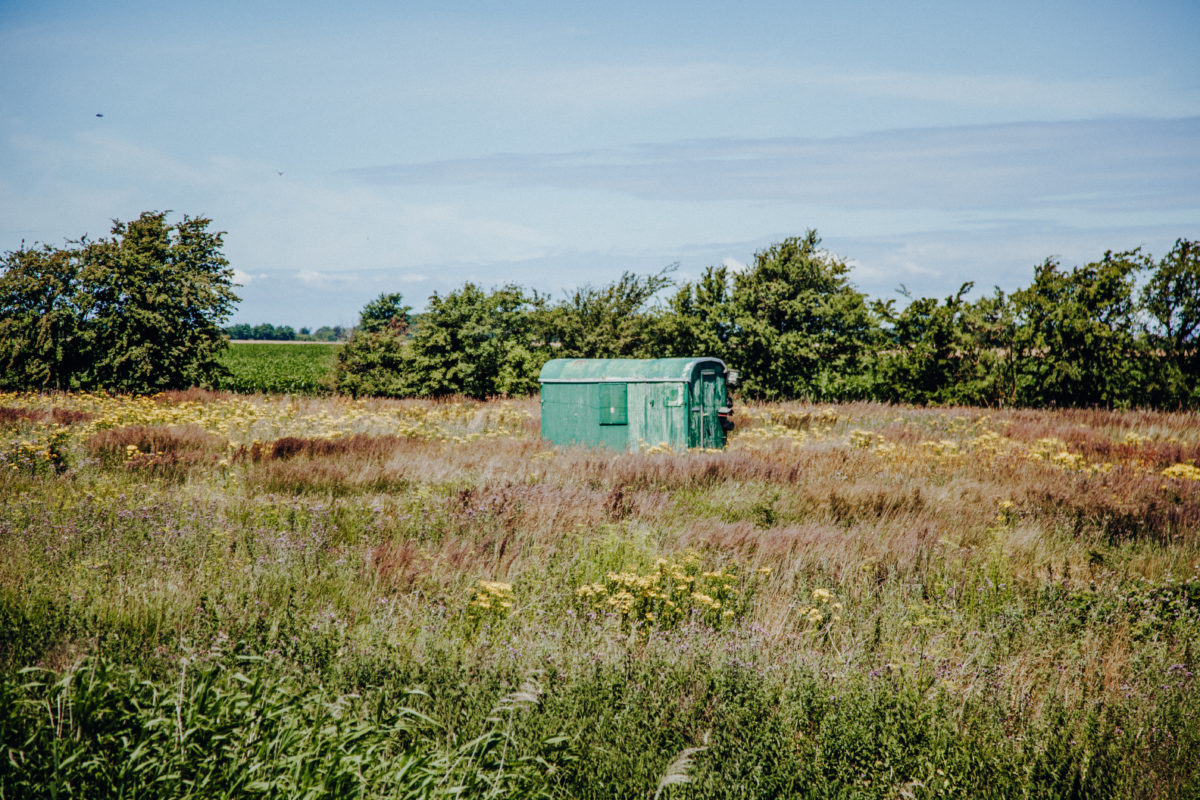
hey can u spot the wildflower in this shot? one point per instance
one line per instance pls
(1187, 472)
(821, 594)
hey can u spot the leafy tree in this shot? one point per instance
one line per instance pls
(469, 342)
(1076, 340)
(42, 306)
(374, 364)
(137, 312)
(934, 353)
(479, 344)
(375, 359)
(607, 322)
(385, 311)
(326, 333)
(158, 292)
(698, 318)
(798, 328)
(1171, 300)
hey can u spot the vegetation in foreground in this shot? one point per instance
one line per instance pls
(206, 595)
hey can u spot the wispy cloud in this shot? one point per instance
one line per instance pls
(1102, 164)
(755, 84)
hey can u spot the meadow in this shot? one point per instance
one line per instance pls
(279, 367)
(212, 595)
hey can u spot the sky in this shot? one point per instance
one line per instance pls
(352, 149)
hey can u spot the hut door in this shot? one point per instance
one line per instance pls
(710, 423)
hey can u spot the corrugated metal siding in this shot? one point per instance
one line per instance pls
(671, 401)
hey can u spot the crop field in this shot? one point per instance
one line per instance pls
(279, 367)
(211, 595)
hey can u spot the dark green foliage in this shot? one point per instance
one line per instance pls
(326, 333)
(697, 319)
(266, 332)
(1171, 300)
(373, 361)
(608, 322)
(799, 329)
(1076, 334)
(42, 311)
(937, 352)
(469, 342)
(373, 364)
(478, 343)
(137, 312)
(794, 327)
(385, 311)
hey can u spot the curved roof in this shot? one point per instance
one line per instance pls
(594, 370)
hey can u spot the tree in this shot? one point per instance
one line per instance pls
(469, 342)
(385, 311)
(158, 294)
(1076, 339)
(374, 360)
(607, 322)
(42, 305)
(374, 364)
(1171, 299)
(137, 312)
(479, 344)
(798, 328)
(934, 353)
(698, 318)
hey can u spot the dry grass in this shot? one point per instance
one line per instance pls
(957, 543)
(11, 416)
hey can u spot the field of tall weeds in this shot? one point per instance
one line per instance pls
(209, 595)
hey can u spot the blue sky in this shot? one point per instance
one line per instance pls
(414, 146)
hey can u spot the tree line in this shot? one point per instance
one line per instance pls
(286, 333)
(1121, 331)
(141, 310)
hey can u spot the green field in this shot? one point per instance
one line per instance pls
(279, 367)
(206, 595)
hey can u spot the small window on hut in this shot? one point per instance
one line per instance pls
(614, 405)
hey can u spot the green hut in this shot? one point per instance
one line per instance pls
(629, 403)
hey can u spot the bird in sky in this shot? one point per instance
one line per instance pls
(99, 115)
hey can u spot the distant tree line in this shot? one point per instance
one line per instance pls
(286, 333)
(1122, 331)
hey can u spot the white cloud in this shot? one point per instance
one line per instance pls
(733, 265)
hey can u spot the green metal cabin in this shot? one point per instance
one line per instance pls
(628, 403)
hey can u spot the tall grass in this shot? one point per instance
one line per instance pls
(868, 601)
